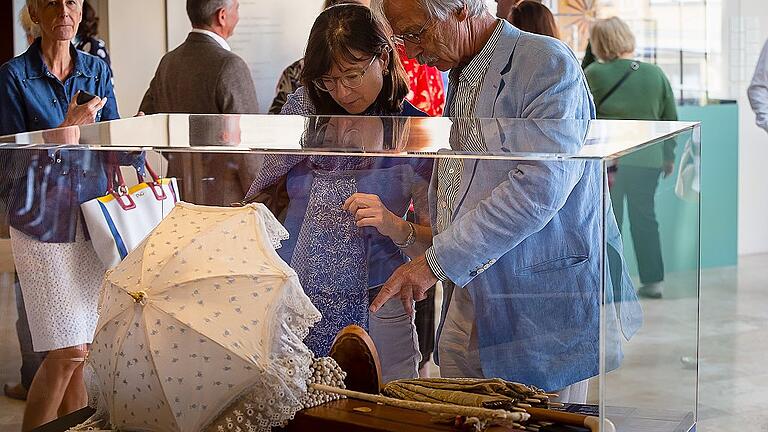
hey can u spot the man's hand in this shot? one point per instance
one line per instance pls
(410, 281)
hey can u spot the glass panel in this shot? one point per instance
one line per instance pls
(654, 193)
(293, 134)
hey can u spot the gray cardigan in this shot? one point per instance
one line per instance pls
(201, 77)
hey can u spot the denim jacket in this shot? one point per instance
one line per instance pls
(32, 98)
(48, 185)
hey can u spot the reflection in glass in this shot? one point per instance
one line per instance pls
(215, 179)
(521, 244)
(341, 264)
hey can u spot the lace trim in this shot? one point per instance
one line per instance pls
(244, 414)
(282, 389)
(276, 232)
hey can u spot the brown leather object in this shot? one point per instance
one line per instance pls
(350, 415)
(355, 352)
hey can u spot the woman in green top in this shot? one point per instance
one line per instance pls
(628, 89)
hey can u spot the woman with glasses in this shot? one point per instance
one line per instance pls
(350, 67)
(347, 215)
(425, 82)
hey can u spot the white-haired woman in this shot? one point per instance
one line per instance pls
(628, 89)
(59, 272)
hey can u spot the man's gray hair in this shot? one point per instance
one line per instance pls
(201, 12)
(442, 9)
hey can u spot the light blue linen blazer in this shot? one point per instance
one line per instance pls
(526, 236)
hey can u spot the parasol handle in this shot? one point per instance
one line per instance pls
(139, 297)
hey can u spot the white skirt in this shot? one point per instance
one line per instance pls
(61, 283)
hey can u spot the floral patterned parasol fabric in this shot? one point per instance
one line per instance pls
(201, 313)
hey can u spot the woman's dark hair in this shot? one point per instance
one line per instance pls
(534, 17)
(350, 33)
(89, 26)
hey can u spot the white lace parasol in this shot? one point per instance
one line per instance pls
(201, 313)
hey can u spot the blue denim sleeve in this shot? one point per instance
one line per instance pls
(12, 120)
(110, 112)
(519, 207)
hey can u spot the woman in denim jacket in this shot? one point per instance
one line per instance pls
(59, 271)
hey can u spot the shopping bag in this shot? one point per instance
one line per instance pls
(118, 221)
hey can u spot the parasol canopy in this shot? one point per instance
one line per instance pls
(200, 313)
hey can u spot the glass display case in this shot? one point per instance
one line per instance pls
(555, 270)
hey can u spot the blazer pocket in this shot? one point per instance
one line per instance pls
(552, 265)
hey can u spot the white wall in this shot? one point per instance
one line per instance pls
(746, 29)
(137, 41)
(19, 38)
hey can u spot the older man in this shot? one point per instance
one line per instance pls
(490, 244)
(203, 76)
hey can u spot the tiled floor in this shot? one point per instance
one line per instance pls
(734, 345)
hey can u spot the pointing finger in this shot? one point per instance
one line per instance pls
(406, 296)
(389, 290)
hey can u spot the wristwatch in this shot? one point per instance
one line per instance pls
(410, 240)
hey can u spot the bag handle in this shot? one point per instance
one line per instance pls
(117, 188)
(155, 184)
(120, 193)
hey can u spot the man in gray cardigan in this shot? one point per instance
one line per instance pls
(202, 75)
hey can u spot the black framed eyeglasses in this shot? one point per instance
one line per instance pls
(414, 38)
(350, 80)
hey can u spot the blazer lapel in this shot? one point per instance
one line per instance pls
(484, 107)
(501, 62)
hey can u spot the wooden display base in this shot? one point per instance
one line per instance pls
(350, 415)
(342, 415)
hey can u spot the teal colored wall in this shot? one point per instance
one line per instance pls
(719, 181)
(679, 219)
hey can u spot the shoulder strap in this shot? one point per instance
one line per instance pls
(633, 67)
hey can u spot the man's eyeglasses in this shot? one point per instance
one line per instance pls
(414, 38)
(350, 80)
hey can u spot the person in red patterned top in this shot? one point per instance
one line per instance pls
(426, 84)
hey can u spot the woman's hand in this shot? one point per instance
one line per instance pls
(83, 114)
(369, 211)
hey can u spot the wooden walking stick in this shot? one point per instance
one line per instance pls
(502, 417)
(590, 422)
